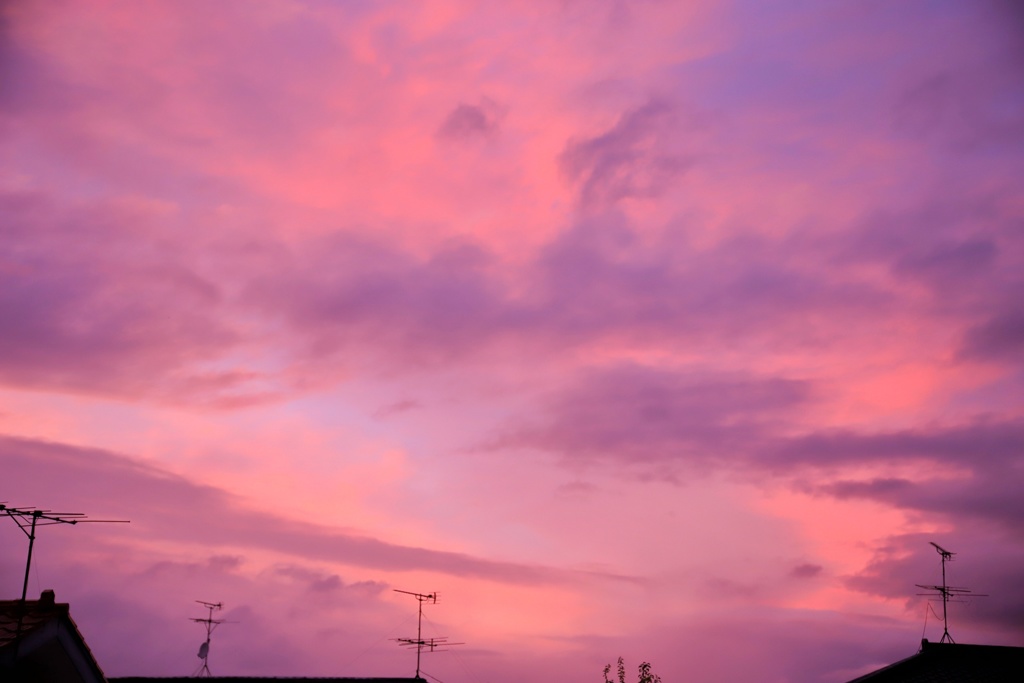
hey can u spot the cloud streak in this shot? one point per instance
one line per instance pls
(172, 508)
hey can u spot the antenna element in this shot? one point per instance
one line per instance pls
(421, 644)
(28, 519)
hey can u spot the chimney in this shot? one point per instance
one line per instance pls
(46, 598)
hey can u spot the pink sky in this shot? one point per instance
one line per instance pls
(668, 330)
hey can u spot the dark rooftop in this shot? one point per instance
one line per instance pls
(954, 663)
(40, 642)
(18, 618)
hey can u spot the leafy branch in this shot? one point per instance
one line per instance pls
(644, 674)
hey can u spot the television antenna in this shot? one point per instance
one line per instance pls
(946, 591)
(211, 624)
(28, 519)
(421, 644)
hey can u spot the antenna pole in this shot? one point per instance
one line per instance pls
(945, 599)
(419, 637)
(28, 562)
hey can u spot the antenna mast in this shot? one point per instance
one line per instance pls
(28, 519)
(430, 644)
(210, 623)
(946, 591)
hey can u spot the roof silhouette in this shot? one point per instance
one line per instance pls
(953, 663)
(40, 642)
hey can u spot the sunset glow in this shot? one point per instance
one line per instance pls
(664, 330)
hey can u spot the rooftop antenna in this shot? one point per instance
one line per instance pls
(28, 519)
(210, 623)
(946, 591)
(421, 644)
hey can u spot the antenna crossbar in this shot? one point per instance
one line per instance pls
(430, 644)
(422, 597)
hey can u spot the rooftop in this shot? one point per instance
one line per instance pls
(40, 642)
(954, 663)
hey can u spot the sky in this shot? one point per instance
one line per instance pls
(672, 331)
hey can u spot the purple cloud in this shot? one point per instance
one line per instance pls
(636, 414)
(964, 106)
(1001, 338)
(594, 282)
(631, 159)
(92, 303)
(988, 442)
(656, 418)
(470, 121)
(806, 571)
